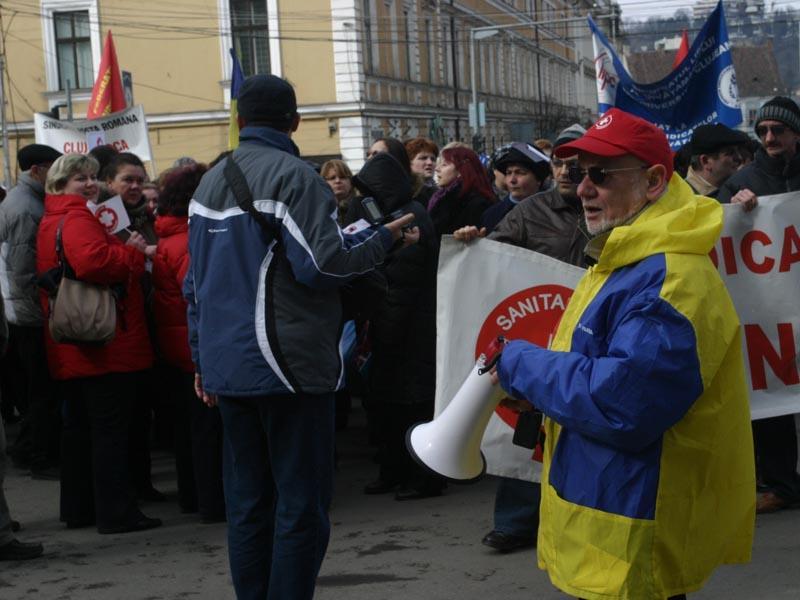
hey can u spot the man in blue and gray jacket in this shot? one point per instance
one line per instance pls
(264, 321)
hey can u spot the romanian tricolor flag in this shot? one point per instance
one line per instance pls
(107, 94)
(237, 79)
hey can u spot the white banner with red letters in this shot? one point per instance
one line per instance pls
(125, 131)
(758, 256)
(486, 289)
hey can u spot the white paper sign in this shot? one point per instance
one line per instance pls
(95, 139)
(111, 214)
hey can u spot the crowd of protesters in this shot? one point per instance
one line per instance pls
(90, 414)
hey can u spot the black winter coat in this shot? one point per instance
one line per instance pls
(451, 212)
(403, 328)
(764, 176)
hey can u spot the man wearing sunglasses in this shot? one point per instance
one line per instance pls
(774, 170)
(776, 166)
(648, 481)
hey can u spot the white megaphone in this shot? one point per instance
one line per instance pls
(450, 445)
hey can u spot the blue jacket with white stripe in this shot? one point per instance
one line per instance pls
(264, 311)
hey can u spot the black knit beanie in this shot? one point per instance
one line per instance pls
(782, 109)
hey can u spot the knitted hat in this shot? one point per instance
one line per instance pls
(570, 134)
(782, 109)
(264, 98)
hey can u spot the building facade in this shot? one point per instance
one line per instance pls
(362, 68)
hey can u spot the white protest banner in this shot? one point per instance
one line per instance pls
(486, 289)
(111, 214)
(125, 131)
(758, 256)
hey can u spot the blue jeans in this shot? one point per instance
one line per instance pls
(516, 507)
(278, 479)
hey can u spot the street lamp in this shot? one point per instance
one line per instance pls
(477, 33)
(486, 31)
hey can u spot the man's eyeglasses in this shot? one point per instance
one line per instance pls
(761, 130)
(597, 175)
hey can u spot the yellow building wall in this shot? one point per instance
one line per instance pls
(307, 50)
(172, 49)
(314, 138)
(25, 79)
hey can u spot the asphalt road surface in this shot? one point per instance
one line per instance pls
(380, 549)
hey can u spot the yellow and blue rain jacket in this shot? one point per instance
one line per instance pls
(648, 481)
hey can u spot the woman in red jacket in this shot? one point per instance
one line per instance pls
(98, 380)
(198, 428)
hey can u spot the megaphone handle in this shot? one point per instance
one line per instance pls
(490, 365)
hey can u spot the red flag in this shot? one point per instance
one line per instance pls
(683, 50)
(107, 94)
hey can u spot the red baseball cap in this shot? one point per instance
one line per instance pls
(617, 133)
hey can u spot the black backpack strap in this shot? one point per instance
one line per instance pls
(244, 197)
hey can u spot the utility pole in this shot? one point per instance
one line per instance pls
(4, 125)
(454, 57)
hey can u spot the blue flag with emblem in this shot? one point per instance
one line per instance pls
(701, 90)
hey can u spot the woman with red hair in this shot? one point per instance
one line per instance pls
(198, 428)
(463, 191)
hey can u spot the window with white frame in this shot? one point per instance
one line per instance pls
(447, 37)
(72, 47)
(370, 60)
(250, 33)
(431, 47)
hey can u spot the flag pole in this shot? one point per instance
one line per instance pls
(4, 124)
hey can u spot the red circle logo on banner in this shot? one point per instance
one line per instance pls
(108, 218)
(531, 314)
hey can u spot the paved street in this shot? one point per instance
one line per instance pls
(380, 549)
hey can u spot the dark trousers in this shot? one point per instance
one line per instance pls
(38, 438)
(396, 463)
(141, 421)
(95, 482)
(516, 507)
(198, 449)
(776, 455)
(278, 474)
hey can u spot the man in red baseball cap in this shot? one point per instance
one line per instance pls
(622, 157)
(648, 482)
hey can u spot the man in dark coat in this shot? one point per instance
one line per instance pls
(20, 214)
(402, 332)
(269, 353)
(716, 155)
(10, 547)
(775, 170)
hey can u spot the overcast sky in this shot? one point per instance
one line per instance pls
(643, 9)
